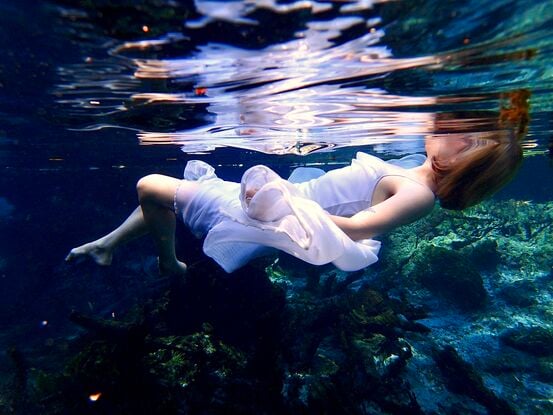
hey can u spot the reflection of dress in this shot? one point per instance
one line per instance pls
(290, 217)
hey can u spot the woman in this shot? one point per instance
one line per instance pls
(330, 218)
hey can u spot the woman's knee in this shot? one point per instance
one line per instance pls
(146, 186)
(156, 188)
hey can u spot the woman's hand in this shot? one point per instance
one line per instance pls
(249, 194)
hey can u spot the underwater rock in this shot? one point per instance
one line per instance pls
(510, 233)
(449, 274)
(343, 353)
(521, 293)
(537, 341)
(14, 391)
(545, 371)
(483, 254)
(198, 371)
(371, 310)
(462, 378)
(243, 308)
(162, 376)
(240, 343)
(108, 328)
(218, 349)
(386, 361)
(328, 358)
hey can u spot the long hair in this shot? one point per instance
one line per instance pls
(488, 163)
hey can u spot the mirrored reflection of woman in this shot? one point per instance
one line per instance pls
(320, 218)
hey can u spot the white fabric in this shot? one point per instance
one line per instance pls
(304, 174)
(280, 217)
(349, 190)
(289, 217)
(344, 191)
(409, 161)
(198, 170)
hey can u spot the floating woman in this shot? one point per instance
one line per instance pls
(320, 218)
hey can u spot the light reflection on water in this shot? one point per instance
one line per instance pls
(319, 90)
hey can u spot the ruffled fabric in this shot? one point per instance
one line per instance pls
(277, 216)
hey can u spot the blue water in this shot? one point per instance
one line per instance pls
(95, 95)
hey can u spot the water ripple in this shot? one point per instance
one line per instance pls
(333, 81)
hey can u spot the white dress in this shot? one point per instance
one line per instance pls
(292, 217)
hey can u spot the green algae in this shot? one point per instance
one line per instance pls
(507, 234)
(534, 340)
(449, 274)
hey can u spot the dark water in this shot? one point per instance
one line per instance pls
(94, 95)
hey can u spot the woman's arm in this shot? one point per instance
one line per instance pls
(406, 206)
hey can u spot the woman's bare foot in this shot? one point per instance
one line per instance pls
(172, 269)
(99, 254)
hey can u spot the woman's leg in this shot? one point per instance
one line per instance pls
(156, 194)
(101, 250)
(155, 215)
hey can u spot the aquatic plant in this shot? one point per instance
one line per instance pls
(448, 274)
(493, 234)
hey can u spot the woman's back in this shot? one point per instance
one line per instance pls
(351, 189)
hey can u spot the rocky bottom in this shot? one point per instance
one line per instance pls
(448, 323)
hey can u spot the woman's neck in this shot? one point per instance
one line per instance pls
(425, 174)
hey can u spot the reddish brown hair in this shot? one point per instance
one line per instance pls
(489, 163)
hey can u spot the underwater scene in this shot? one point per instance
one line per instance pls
(449, 313)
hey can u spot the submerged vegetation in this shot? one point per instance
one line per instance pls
(455, 317)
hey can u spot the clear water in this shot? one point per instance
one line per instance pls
(94, 95)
